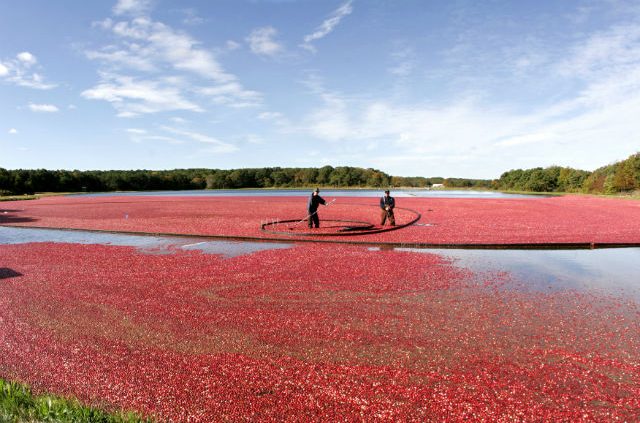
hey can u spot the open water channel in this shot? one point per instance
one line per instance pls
(435, 193)
(614, 271)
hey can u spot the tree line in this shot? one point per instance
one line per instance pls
(623, 176)
(28, 181)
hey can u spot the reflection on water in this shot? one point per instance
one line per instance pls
(146, 244)
(233, 248)
(328, 192)
(610, 271)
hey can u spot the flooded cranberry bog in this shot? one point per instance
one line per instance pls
(570, 221)
(152, 304)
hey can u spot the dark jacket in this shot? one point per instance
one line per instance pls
(314, 202)
(387, 201)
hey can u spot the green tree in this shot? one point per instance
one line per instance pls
(217, 180)
(324, 175)
(624, 178)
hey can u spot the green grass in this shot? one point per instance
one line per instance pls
(33, 196)
(18, 197)
(18, 404)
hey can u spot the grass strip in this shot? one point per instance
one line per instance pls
(18, 404)
(18, 197)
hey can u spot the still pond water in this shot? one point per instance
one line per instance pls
(328, 193)
(601, 272)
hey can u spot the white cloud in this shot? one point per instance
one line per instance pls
(533, 138)
(232, 94)
(34, 81)
(232, 45)
(270, 115)
(132, 7)
(278, 119)
(138, 135)
(18, 71)
(192, 18)
(45, 108)
(616, 49)
(132, 97)
(147, 43)
(529, 60)
(128, 59)
(328, 25)
(170, 140)
(13, 131)
(146, 46)
(180, 50)
(27, 58)
(568, 127)
(142, 138)
(137, 131)
(482, 136)
(404, 62)
(105, 24)
(419, 129)
(215, 145)
(402, 69)
(261, 41)
(254, 139)
(331, 123)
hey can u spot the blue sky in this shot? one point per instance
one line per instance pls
(413, 87)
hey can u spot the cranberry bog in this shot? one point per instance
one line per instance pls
(549, 221)
(338, 327)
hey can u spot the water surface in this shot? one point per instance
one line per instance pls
(146, 244)
(610, 271)
(613, 271)
(329, 192)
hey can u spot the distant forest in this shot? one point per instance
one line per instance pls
(619, 177)
(26, 181)
(623, 176)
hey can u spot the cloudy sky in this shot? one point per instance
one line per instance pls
(412, 87)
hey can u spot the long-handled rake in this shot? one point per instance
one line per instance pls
(308, 216)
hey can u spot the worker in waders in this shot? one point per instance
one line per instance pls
(387, 204)
(312, 208)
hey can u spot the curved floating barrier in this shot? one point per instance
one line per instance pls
(340, 227)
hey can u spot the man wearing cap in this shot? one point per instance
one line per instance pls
(387, 204)
(312, 208)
